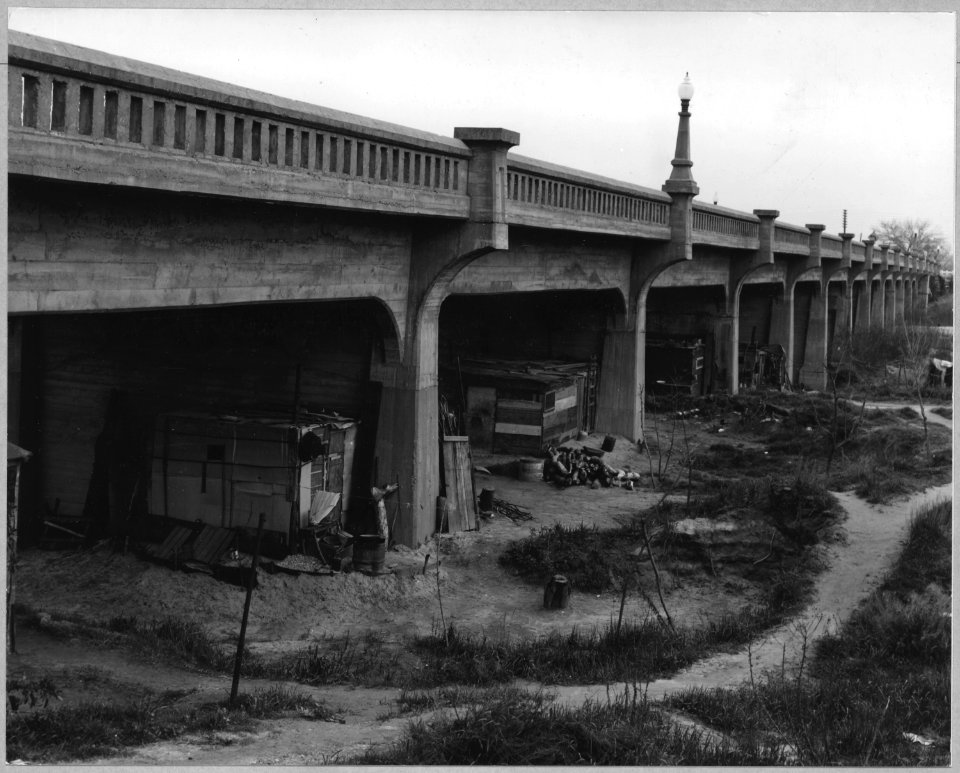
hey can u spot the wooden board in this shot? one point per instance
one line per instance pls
(174, 542)
(458, 472)
(211, 544)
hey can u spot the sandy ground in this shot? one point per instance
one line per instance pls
(288, 611)
(478, 594)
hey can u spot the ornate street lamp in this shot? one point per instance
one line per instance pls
(681, 178)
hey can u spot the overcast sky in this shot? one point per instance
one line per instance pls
(809, 113)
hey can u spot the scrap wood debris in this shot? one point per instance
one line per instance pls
(513, 512)
(579, 467)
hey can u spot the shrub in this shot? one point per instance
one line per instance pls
(586, 556)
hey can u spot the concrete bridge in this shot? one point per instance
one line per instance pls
(190, 244)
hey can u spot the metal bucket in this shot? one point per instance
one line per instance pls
(369, 553)
(486, 499)
(530, 469)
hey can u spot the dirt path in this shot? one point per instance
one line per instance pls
(875, 535)
(932, 418)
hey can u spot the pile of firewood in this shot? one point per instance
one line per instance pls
(578, 467)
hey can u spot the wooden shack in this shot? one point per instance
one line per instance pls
(674, 366)
(512, 407)
(226, 470)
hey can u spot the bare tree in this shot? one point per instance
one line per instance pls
(919, 237)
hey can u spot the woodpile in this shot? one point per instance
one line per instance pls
(585, 467)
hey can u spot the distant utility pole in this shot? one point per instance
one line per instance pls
(844, 221)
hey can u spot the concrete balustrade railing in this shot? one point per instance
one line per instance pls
(83, 115)
(538, 193)
(63, 94)
(724, 227)
(859, 250)
(792, 239)
(831, 246)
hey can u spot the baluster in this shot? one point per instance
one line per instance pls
(99, 107)
(15, 101)
(311, 150)
(248, 139)
(322, 149)
(169, 131)
(208, 125)
(123, 116)
(73, 107)
(304, 149)
(44, 101)
(195, 130)
(146, 121)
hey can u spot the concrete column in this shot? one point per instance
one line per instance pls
(621, 384)
(408, 443)
(877, 299)
(890, 320)
(877, 308)
(800, 326)
(727, 341)
(889, 303)
(782, 328)
(840, 293)
(813, 372)
(900, 292)
(728, 327)
(845, 317)
(407, 447)
(622, 388)
(862, 321)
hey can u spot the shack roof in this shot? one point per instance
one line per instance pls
(536, 374)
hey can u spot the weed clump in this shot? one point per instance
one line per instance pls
(335, 661)
(586, 556)
(96, 728)
(183, 639)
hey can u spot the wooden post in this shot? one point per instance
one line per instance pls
(246, 612)
(12, 504)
